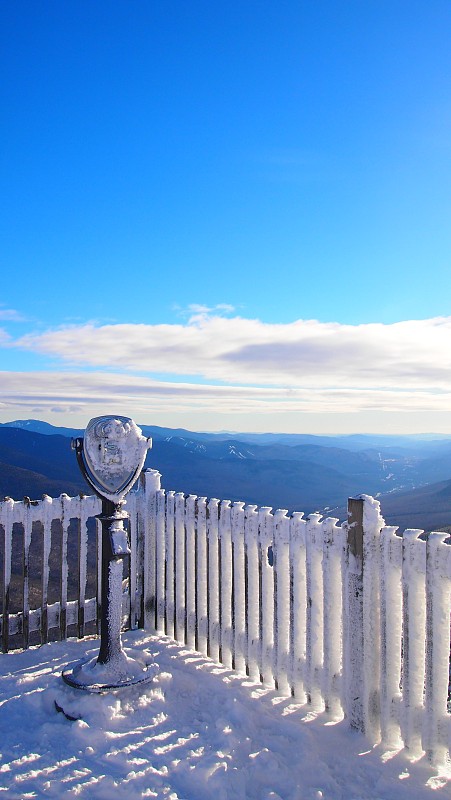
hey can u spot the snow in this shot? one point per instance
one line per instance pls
(234, 452)
(114, 444)
(199, 731)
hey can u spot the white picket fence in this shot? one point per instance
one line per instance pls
(21, 521)
(352, 618)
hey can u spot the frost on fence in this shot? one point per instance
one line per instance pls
(356, 629)
(353, 618)
(46, 587)
(244, 585)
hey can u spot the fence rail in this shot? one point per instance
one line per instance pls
(353, 618)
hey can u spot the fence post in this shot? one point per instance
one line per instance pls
(7, 508)
(438, 590)
(354, 616)
(150, 485)
(315, 619)
(362, 615)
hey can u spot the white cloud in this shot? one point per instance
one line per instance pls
(196, 308)
(247, 371)
(195, 312)
(86, 391)
(410, 355)
(10, 315)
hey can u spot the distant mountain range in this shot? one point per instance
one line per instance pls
(410, 474)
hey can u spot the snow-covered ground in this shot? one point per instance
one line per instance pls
(198, 732)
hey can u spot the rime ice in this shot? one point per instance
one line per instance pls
(114, 452)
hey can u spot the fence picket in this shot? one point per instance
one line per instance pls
(353, 628)
(372, 525)
(133, 528)
(150, 486)
(414, 630)
(281, 599)
(180, 571)
(252, 599)
(46, 547)
(201, 587)
(239, 588)
(226, 580)
(170, 564)
(160, 561)
(332, 606)
(7, 523)
(83, 562)
(65, 522)
(314, 638)
(298, 603)
(190, 577)
(214, 584)
(391, 634)
(27, 530)
(266, 542)
(438, 596)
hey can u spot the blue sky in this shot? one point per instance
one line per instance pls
(227, 215)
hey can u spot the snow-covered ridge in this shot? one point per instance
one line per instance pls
(223, 449)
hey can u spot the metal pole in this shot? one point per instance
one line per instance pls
(111, 588)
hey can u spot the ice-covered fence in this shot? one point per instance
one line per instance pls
(37, 570)
(352, 617)
(35, 562)
(260, 592)
(50, 566)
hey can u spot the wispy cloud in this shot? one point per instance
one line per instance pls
(10, 315)
(410, 355)
(194, 311)
(88, 392)
(224, 368)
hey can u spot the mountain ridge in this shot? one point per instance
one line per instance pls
(308, 477)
